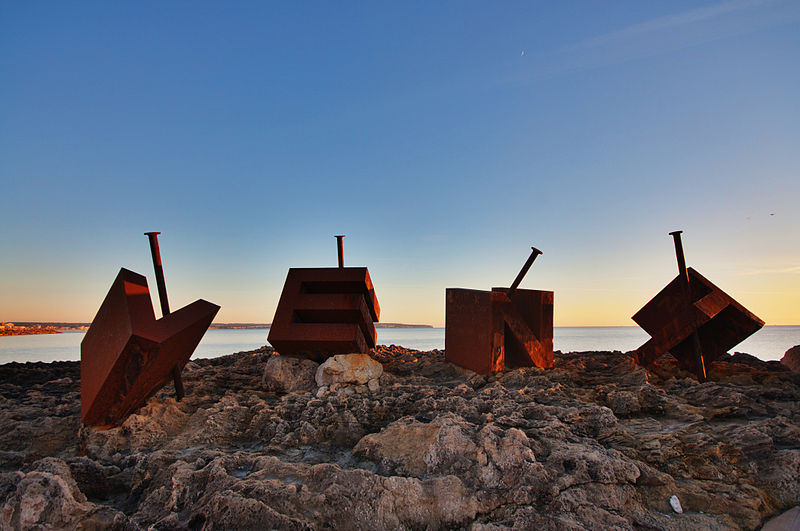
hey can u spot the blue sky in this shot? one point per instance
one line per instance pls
(443, 138)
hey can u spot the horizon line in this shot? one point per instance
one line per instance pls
(407, 325)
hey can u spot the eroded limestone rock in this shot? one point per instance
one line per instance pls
(596, 442)
(48, 497)
(791, 358)
(348, 369)
(284, 374)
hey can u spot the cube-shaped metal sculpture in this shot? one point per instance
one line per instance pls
(127, 355)
(720, 322)
(488, 331)
(325, 311)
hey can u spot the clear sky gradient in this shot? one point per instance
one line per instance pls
(443, 138)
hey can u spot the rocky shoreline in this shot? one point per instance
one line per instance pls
(595, 443)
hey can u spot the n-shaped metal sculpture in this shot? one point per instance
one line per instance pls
(693, 320)
(485, 331)
(127, 355)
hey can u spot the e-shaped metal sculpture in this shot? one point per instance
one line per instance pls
(693, 320)
(486, 331)
(325, 311)
(127, 355)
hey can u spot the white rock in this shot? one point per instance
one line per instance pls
(373, 385)
(348, 368)
(676, 504)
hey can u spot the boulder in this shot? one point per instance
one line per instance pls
(792, 358)
(284, 374)
(412, 448)
(46, 497)
(356, 369)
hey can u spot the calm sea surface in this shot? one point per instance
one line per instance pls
(769, 343)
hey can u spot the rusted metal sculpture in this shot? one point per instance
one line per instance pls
(487, 331)
(693, 320)
(325, 311)
(127, 355)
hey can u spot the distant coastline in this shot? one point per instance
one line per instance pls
(401, 325)
(250, 326)
(30, 328)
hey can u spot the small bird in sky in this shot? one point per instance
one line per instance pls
(523, 53)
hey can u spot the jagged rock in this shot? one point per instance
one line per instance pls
(624, 403)
(791, 358)
(48, 497)
(411, 448)
(348, 368)
(284, 374)
(94, 479)
(374, 385)
(596, 442)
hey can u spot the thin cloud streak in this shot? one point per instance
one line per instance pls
(662, 35)
(668, 22)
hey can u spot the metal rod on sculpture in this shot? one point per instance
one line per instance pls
(684, 275)
(522, 272)
(162, 286)
(340, 248)
(162, 298)
(676, 235)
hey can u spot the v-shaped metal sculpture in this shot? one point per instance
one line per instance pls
(127, 355)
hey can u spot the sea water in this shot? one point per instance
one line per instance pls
(769, 343)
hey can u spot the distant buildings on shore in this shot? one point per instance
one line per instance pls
(22, 329)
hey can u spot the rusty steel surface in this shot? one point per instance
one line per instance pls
(340, 249)
(158, 268)
(488, 331)
(127, 355)
(710, 314)
(324, 311)
(683, 274)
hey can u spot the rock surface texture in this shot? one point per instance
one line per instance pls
(284, 374)
(792, 358)
(348, 368)
(595, 443)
